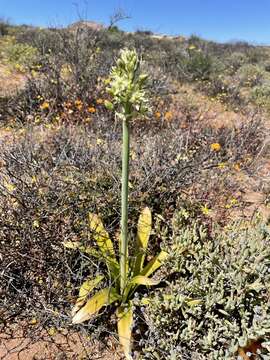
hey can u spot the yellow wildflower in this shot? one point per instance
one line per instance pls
(36, 224)
(215, 147)
(33, 321)
(52, 331)
(234, 201)
(205, 210)
(107, 81)
(10, 187)
(45, 105)
(99, 101)
(222, 165)
(34, 73)
(231, 203)
(133, 154)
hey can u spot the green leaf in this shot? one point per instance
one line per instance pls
(85, 289)
(143, 234)
(124, 325)
(102, 298)
(155, 263)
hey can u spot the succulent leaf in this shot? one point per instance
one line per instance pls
(143, 234)
(124, 325)
(102, 298)
(85, 289)
(105, 244)
(155, 263)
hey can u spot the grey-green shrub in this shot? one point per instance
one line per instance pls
(250, 75)
(235, 60)
(261, 95)
(218, 300)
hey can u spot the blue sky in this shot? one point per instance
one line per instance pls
(221, 20)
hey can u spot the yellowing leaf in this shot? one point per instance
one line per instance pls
(155, 263)
(85, 289)
(102, 298)
(144, 228)
(143, 234)
(101, 236)
(74, 245)
(104, 243)
(143, 280)
(124, 325)
(139, 280)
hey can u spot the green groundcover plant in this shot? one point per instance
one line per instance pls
(129, 100)
(216, 305)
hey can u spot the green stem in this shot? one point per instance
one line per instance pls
(124, 207)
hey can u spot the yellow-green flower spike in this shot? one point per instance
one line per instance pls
(128, 86)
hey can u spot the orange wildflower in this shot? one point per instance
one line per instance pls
(91, 109)
(68, 104)
(237, 167)
(168, 115)
(78, 104)
(158, 115)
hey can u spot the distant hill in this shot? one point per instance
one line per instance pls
(87, 24)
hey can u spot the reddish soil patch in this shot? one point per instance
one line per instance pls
(65, 345)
